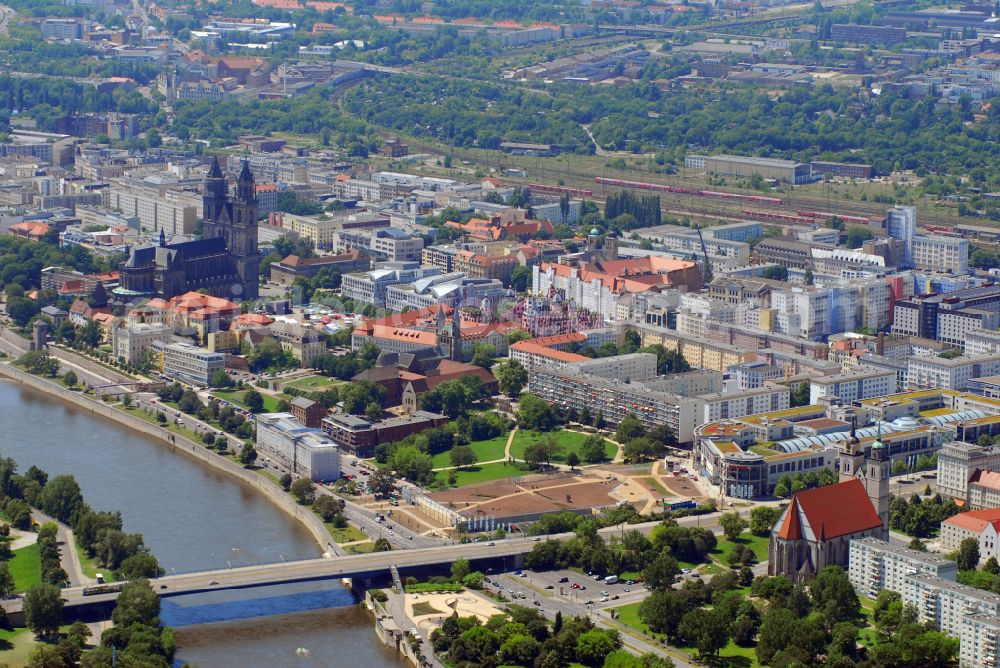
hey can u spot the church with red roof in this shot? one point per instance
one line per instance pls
(817, 527)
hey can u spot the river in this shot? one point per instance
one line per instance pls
(193, 518)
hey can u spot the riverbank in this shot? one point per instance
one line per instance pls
(270, 491)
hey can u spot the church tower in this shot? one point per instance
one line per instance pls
(243, 238)
(876, 483)
(456, 334)
(214, 202)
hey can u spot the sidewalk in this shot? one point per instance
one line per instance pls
(68, 556)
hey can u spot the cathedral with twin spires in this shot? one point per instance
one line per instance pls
(224, 262)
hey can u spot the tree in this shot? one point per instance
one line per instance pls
(707, 630)
(763, 519)
(6, 580)
(61, 498)
(19, 513)
(663, 611)
(641, 449)
(659, 574)
(248, 455)
(254, 401)
(161, 418)
(459, 569)
(303, 491)
(520, 278)
(573, 460)
(592, 646)
(535, 413)
(732, 525)
(800, 394)
(629, 428)
(327, 507)
(462, 455)
(543, 451)
(137, 604)
(834, 595)
(775, 273)
(285, 481)
(381, 545)
(483, 355)
(140, 566)
(511, 377)
(43, 607)
(221, 379)
(592, 449)
(968, 554)
(381, 483)
(410, 463)
(69, 379)
(783, 488)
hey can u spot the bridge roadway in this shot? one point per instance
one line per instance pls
(352, 566)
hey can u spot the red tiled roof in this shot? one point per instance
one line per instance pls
(531, 348)
(831, 511)
(989, 479)
(976, 520)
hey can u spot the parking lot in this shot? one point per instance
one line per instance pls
(565, 589)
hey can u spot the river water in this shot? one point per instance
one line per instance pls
(194, 518)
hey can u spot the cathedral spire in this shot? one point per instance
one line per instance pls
(245, 189)
(215, 171)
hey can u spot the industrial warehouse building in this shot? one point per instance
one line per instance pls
(788, 171)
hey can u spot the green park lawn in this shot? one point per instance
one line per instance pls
(90, 568)
(15, 646)
(313, 383)
(571, 441)
(758, 544)
(732, 655)
(270, 403)
(484, 473)
(486, 451)
(348, 534)
(26, 568)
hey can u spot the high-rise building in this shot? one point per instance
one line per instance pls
(901, 223)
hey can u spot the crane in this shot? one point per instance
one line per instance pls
(707, 275)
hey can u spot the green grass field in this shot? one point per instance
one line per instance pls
(360, 548)
(348, 534)
(270, 403)
(313, 383)
(485, 473)
(486, 451)
(629, 616)
(571, 441)
(89, 566)
(15, 646)
(756, 543)
(26, 568)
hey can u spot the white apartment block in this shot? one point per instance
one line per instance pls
(978, 647)
(634, 366)
(865, 383)
(946, 603)
(307, 452)
(941, 253)
(317, 229)
(924, 373)
(876, 565)
(957, 461)
(954, 327)
(983, 525)
(156, 210)
(803, 312)
(982, 343)
(725, 405)
(129, 343)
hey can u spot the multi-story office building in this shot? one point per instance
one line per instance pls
(359, 436)
(941, 253)
(155, 205)
(971, 309)
(901, 224)
(322, 230)
(865, 34)
(189, 363)
(876, 565)
(370, 287)
(131, 342)
(924, 373)
(864, 383)
(803, 312)
(443, 289)
(305, 343)
(305, 451)
(723, 405)
(59, 28)
(958, 463)
(388, 244)
(751, 375)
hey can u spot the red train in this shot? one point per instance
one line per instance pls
(642, 185)
(826, 215)
(770, 217)
(941, 229)
(561, 190)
